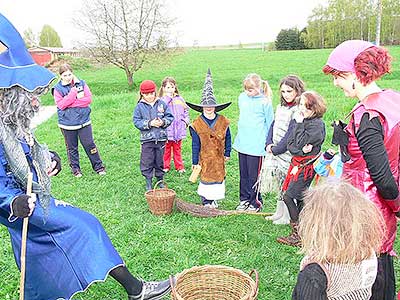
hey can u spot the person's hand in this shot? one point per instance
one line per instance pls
(307, 148)
(194, 167)
(55, 167)
(226, 158)
(74, 90)
(331, 152)
(269, 148)
(160, 122)
(156, 122)
(298, 117)
(22, 206)
(339, 136)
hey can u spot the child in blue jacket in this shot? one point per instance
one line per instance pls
(255, 118)
(151, 116)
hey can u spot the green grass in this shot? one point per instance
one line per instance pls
(154, 247)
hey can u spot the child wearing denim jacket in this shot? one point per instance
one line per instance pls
(151, 116)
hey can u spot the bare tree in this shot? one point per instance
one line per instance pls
(125, 33)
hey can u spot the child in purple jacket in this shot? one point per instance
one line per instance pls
(177, 130)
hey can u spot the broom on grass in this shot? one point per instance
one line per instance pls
(23, 242)
(207, 212)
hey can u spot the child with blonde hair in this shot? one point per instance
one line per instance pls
(176, 132)
(255, 118)
(304, 143)
(341, 234)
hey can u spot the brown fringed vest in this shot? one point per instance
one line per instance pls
(212, 150)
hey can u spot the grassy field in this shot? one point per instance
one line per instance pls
(154, 247)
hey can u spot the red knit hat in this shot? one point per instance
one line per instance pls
(147, 86)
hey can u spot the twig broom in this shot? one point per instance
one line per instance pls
(206, 212)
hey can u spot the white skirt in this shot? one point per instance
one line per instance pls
(214, 191)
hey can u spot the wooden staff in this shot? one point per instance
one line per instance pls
(23, 242)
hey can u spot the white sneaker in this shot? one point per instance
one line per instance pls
(252, 208)
(243, 205)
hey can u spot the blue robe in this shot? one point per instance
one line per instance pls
(67, 250)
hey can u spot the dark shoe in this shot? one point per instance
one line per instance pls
(77, 173)
(101, 171)
(148, 184)
(293, 239)
(152, 290)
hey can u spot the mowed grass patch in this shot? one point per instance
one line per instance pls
(154, 247)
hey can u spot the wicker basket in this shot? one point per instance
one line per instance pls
(161, 201)
(214, 282)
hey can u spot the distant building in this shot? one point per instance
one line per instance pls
(45, 55)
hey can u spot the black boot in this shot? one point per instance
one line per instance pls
(148, 184)
(152, 290)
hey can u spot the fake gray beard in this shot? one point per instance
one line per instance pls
(15, 117)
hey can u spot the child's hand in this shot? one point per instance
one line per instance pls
(194, 167)
(269, 148)
(307, 148)
(156, 122)
(160, 122)
(226, 158)
(331, 151)
(299, 117)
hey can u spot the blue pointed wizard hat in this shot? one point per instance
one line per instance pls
(17, 67)
(208, 98)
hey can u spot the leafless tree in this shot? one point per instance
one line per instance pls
(125, 33)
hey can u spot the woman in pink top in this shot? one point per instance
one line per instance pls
(73, 97)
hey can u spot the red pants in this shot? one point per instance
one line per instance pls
(176, 147)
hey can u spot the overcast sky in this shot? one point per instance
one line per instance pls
(209, 22)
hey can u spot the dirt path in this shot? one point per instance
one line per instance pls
(45, 113)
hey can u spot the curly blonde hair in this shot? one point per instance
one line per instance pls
(339, 224)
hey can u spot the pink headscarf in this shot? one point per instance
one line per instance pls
(343, 56)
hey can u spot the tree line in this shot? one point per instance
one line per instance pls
(47, 37)
(341, 20)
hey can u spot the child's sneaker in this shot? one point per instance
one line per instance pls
(181, 171)
(166, 170)
(77, 174)
(243, 205)
(253, 208)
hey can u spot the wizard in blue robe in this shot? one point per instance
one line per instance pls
(67, 248)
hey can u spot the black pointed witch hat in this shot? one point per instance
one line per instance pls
(208, 98)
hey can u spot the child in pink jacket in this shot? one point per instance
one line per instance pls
(177, 130)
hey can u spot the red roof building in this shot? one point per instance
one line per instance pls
(45, 55)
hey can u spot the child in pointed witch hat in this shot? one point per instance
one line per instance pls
(211, 145)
